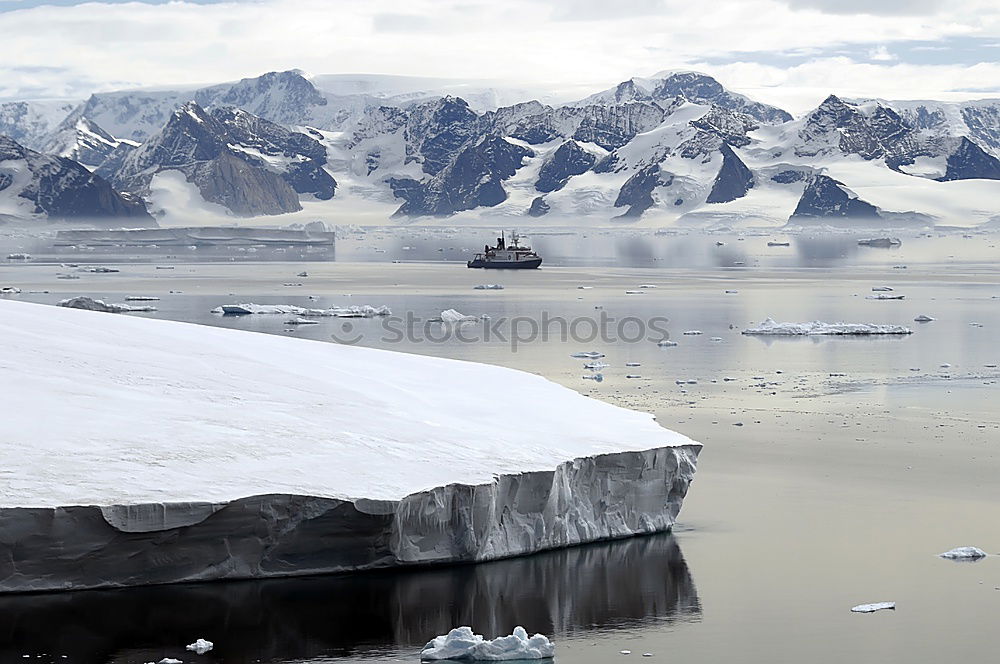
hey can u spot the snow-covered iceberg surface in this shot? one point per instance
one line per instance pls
(181, 452)
(964, 553)
(771, 327)
(462, 644)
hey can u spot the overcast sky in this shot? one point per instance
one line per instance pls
(788, 52)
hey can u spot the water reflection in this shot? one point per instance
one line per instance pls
(599, 586)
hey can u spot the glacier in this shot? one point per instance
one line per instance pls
(143, 451)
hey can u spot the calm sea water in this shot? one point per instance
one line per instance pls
(834, 469)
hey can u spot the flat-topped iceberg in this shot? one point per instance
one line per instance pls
(355, 311)
(182, 452)
(90, 304)
(771, 327)
(462, 644)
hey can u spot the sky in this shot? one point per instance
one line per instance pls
(791, 53)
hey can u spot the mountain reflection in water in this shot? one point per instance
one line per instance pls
(600, 586)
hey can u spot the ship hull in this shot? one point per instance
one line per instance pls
(505, 265)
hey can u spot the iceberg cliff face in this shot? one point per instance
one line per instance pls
(242, 455)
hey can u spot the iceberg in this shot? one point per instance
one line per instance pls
(237, 455)
(964, 553)
(357, 311)
(451, 316)
(771, 327)
(923, 318)
(201, 646)
(90, 304)
(462, 644)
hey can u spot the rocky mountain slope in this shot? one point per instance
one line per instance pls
(676, 148)
(35, 185)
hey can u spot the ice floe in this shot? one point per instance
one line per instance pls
(587, 355)
(884, 296)
(201, 646)
(964, 553)
(462, 644)
(923, 319)
(10, 290)
(876, 606)
(488, 287)
(771, 327)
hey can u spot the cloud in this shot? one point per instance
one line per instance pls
(873, 7)
(881, 54)
(565, 47)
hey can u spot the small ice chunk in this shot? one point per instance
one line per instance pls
(881, 289)
(715, 339)
(90, 304)
(692, 332)
(596, 366)
(461, 643)
(626, 652)
(301, 321)
(632, 364)
(584, 287)
(666, 343)
(633, 376)
(141, 298)
(201, 646)
(884, 296)
(648, 286)
(588, 355)
(634, 292)
(170, 660)
(964, 553)
(871, 608)
(923, 319)
(302, 274)
(488, 287)
(10, 290)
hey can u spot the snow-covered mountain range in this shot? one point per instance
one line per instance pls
(675, 148)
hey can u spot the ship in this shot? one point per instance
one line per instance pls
(506, 257)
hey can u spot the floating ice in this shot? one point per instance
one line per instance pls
(923, 319)
(588, 355)
(693, 332)
(884, 296)
(10, 290)
(880, 242)
(666, 343)
(201, 646)
(99, 269)
(302, 274)
(141, 298)
(301, 321)
(451, 316)
(964, 553)
(488, 287)
(596, 366)
(90, 304)
(462, 643)
(881, 289)
(170, 660)
(18, 257)
(634, 292)
(770, 327)
(871, 608)
(357, 311)
(648, 286)
(633, 364)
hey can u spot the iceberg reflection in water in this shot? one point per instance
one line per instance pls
(558, 593)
